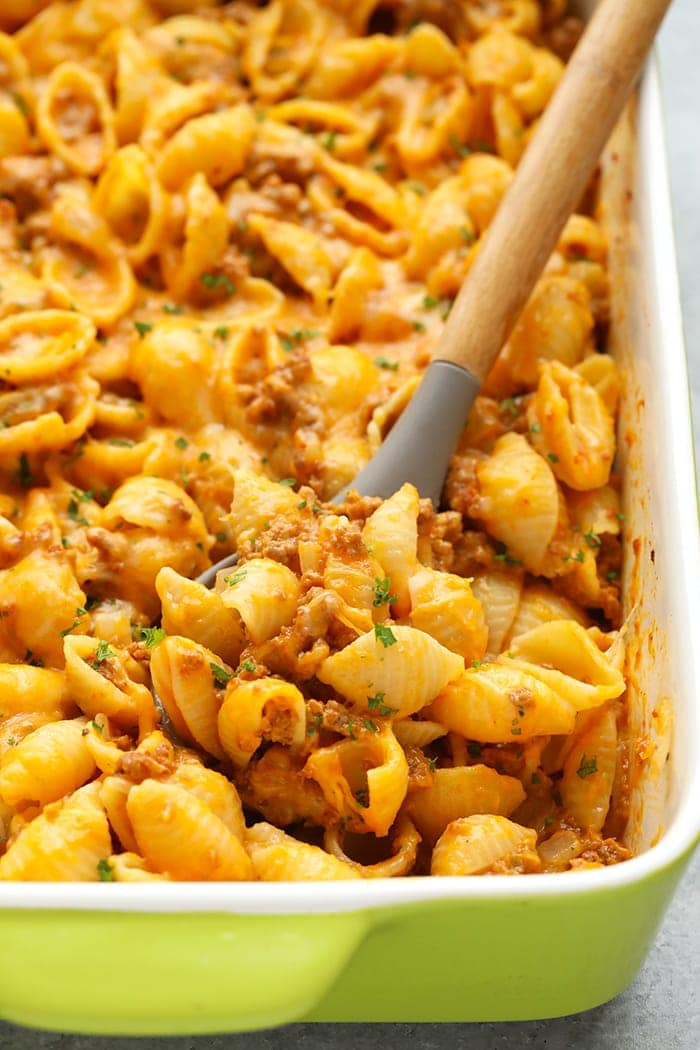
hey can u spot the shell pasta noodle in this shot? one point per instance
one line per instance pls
(230, 236)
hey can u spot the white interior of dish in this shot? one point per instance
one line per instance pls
(663, 595)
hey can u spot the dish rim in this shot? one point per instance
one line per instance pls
(683, 834)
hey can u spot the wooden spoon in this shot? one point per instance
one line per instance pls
(548, 184)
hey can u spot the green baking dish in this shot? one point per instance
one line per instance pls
(190, 958)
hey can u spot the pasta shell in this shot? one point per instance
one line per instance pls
(164, 816)
(277, 857)
(462, 792)
(484, 843)
(409, 668)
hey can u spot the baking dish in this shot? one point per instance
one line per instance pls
(179, 958)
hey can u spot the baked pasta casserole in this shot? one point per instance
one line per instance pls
(230, 235)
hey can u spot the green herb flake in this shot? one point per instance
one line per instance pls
(120, 442)
(172, 308)
(516, 732)
(218, 280)
(181, 442)
(72, 510)
(508, 405)
(467, 235)
(248, 665)
(235, 577)
(302, 504)
(587, 766)
(418, 187)
(152, 635)
(221, 332)
(503, 555)
(65, 542)
(24, 474)
(330, 140)
(552, 457)
(222, 537)
(460, 147)
(105, 872)
(432, 764)
(142, 327)
(476, 664)
(289, 482)
(474, 749)
(535, 428)
(592, 539)
(370, 725)
(418, 326)
(548, 821)
(385, 635)
(287, 344)
(430, 302)
(380, 167)
(579, 556)
(382, 592)
(220, 675)
(96, 726)
(102, 653)
(384, 362)
(612, 575)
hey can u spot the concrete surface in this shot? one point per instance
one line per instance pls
(661, 1010)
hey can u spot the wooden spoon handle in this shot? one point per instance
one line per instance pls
(550, 181)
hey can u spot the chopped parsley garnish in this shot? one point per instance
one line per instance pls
(221, 537)
(287, 344)
(552, 457)
(248, 665)
(370, 725)
(105, 872)
(24, 474)
(121, 442)
(418, 188)
(430, 302)
(535, 428)
(508, 405)
(503, 555)
(579, 556)
(432, 764)
(380, 167)
(172, 308)
(418, 326)
(382, 593)
(612, 574)
(384, 362)
(592, 539)
(289, 482)
(80, 611)
(220, 675)
(221, 332)
(181, 442)
(476, 664)
(467, 235)
(102, 653)
(142, 327)
(376, 703)
(460, 147)
(587, 766)
(385, 635)
(203, 457)
(152, 635)
(235, 577)
(302, 504)
(218, 280)
(72, 509)
(329, 141)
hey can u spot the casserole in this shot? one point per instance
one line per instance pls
(250, 956)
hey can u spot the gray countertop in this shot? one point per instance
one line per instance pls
(661, 1010)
